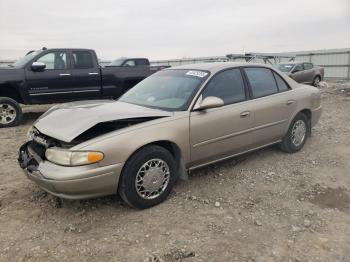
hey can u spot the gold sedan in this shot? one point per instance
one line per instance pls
(172, 122)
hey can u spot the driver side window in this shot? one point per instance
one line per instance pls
(129, 63)
(227, 85)
(54, 60)
(298, 68)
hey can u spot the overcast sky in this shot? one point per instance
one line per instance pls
(164, 29)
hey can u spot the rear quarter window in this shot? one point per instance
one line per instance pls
(142, 62)
(282, 86)
(261, 81)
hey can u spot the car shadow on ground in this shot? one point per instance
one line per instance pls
(30, 117)
(229, 163)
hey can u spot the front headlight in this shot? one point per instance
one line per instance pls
(72, 158)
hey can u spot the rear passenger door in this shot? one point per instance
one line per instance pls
(86, 77)
(273, 106)
(220, 132)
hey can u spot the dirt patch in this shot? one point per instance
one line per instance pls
(340, 88)
(332, 198)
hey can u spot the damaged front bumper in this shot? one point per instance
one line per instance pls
(79, 182)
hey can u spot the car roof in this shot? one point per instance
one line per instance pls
(214, 67)
(68, 49)
(133, 58)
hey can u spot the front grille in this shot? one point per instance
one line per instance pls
(38, 149)
(41, 142)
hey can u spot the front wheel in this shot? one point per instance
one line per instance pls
(148, 177)
(10, 112)
(297, 134)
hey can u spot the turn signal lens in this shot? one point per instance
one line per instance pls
(94, 157)
(72, 158)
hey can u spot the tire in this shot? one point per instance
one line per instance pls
(288, 143)
(10, 112)
(316, 81)
(137, 194)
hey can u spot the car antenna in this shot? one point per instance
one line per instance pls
(44, 48)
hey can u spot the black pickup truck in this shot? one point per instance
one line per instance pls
(60, 75)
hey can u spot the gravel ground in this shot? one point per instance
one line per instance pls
(263, 206)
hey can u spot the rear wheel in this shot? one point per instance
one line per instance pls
(148, 177)
(297, 134)
(316, 81)
(10, 112)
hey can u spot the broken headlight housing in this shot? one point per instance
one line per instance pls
(30, 133)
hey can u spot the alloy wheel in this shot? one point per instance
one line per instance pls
(7, 114)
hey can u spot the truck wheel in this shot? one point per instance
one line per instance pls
(148, 177)
(10, 112)
(316, 81)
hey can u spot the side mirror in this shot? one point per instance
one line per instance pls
(38, 66)
(209, 102)
(295, 70)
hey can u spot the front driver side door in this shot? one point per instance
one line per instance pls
(221, 132)
(55, 82)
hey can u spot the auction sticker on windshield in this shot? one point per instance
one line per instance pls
(200, 74)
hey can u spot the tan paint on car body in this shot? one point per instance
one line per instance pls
(177, 129)
(204, 137)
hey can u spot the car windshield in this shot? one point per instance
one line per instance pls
(284, 67)
(24, 60)
(117, 62)
(170, 90)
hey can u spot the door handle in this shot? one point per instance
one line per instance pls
(245, 114)
(64, 74)
(92, 73)
(289, 102)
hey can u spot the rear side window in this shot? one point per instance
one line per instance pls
(282, 86)
(261, 81)
(227, 85)
(82, 60)
(142, 62)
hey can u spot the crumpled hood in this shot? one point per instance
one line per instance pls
(67, 121)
